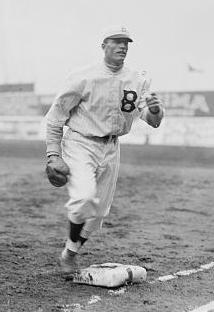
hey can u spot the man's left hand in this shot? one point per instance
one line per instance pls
(154, 103)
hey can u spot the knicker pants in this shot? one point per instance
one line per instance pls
(94, 166)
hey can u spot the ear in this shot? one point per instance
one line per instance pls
(103, 45)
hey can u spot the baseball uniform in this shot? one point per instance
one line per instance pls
(97, 104)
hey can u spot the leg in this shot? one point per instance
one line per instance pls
(107, 176)
(83, 202)
(74, 242)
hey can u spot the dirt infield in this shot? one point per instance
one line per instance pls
(162, 218)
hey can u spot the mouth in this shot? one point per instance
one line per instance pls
(122, 53)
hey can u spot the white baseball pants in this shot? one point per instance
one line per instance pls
(94, 166)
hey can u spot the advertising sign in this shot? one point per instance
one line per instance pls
(195, 103)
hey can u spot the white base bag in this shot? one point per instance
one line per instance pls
(110, 275)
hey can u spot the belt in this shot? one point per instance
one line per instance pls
(107, 138)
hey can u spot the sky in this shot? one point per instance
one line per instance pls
(41, 41)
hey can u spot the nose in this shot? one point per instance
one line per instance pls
(123, 45)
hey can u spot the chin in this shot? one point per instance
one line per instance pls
(119, 61)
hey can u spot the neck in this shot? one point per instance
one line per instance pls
(113, 67)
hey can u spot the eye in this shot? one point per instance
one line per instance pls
(125, 42)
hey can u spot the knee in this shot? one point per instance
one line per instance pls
(82, 192)
(82, 204)
(88, 194)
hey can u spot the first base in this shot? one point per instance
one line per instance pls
(110, 275)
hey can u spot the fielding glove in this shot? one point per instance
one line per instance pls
(57, 171)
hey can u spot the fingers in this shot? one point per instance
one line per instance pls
(153, 101)
(58, 165)
(150, 95)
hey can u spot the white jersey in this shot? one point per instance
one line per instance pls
(97, 102)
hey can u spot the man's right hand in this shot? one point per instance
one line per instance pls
(57, 171)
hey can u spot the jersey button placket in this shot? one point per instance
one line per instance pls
(111, 102)
(116, 112)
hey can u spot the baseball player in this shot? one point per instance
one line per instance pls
(98, 105)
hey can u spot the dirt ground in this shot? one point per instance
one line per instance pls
(162, 219)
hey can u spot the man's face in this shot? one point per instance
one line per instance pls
(115, 50)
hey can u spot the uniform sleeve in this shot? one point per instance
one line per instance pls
(152, 119)
(59, 113)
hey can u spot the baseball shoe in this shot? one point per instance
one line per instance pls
(68, 261)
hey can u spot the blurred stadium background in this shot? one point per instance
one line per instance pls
(188, 120)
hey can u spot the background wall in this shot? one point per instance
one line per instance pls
(189, 118)
(186, 131)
